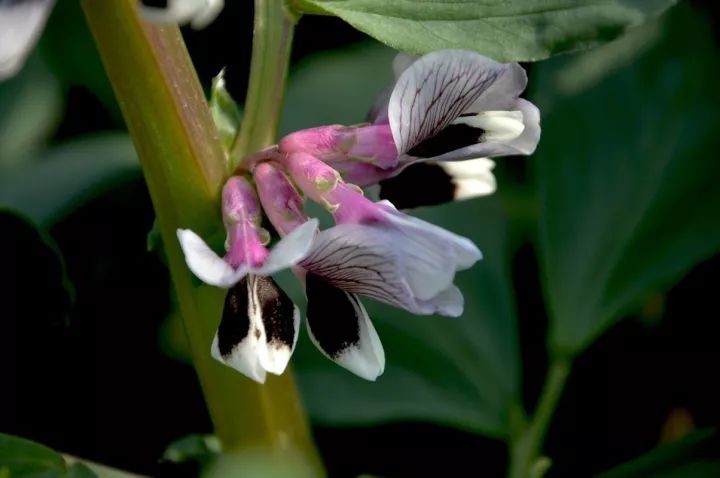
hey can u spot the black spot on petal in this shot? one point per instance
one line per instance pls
(277, 310)
(422, 184)
(454, 136)
(235, 323)
(332, 316)
(155, 3)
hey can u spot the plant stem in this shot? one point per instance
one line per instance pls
(272, 41)
(185, 167)
(526, 446)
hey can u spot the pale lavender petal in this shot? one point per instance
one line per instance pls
(290, 249)
(435, 90)
(502, 94)
(21, 24)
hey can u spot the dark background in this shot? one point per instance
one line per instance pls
(82, 371)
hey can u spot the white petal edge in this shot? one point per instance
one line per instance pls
(275, 359)
(366, 359)
(199, 13)
(291, 249)
(472, 178)
(21, 24)
(205, 264)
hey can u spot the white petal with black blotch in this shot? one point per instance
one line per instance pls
(340, 328)
(199, 13)
(428, 183)
(21, 23)
(407, 263)
(436, 89)
(280, 320)
(241, 333)
(205, 264)
(259, 328)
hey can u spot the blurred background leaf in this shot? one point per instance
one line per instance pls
(628, 181)
(30, 108)
(462, 372)
(336, 86)
(695, 456)
(21, 458)
(67, 176)
(512, 30)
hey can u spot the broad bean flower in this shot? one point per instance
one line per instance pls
(446, 115)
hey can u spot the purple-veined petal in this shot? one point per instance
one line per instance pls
(405, 264)
(21, 23)
(503, 93)
(435, 90)
(498, 143)
(205, 264)
(290, 249)
(340, 328)
(241, 333)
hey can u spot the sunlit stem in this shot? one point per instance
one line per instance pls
(184, 167)
(526, 460)
(272, 40)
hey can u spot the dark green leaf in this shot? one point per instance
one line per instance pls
(23, 458)
(696, 456)
(628, 180)
(461, 372)
(511, 30)
(46, 189)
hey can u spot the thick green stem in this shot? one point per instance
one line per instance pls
(272, 40)
(526, 445)
(184, 166)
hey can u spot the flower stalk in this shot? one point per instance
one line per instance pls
(185, 167)
(526, 445)
(272, 40)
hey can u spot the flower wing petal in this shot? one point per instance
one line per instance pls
(340, 328)
(20, 26)
(280, 323)
(290, 249)
(205, 264)
(241, 334)
(436, 89)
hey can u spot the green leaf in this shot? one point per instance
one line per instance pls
(628, 181)
(511, 30)
(224, 110)
(30, 107)
(23, 458)
(65, 177)
(336, 87)
(695, 456)
(197, 448)
(461, 372)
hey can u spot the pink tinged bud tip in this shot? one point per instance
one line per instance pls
(242, 215)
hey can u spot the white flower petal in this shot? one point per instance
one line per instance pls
(290, 249)
(435, 90)
(205, 264)
(199, 13)
(472, 178)
(340, 328)
(240, 338)
(21, 24)
(449, 303)
(280, 320)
